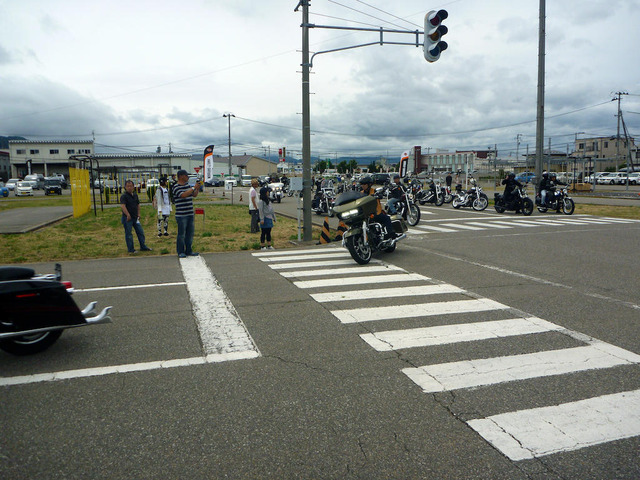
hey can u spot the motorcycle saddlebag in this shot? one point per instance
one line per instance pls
(399, 225)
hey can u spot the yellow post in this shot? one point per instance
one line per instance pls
(80, 191)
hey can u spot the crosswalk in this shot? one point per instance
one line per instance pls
(368, 296)
(490, 222)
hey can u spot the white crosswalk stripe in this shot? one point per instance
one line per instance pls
(519, 435)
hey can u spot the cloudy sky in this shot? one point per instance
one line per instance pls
(141, 74)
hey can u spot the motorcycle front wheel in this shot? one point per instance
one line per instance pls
(30, 344)
(360, 250)
(527, 207)
(448, 198)
(499, 208)
(439, 200)
(480, 203)
(455, 203)
(413, 215)
(568, 206)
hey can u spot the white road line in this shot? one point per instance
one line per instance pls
(620, 220)
(321, 263)
(128, 287)
(411, 291)
(353, 270)
(474, 373)
(436, 229)
(463, 226)
(357, 315)
(513, 223)
(537, 432)
(478, 216)
(284, 253)
(467, 332)
(488, 224)
(221, 329)
(132, 367)
(334, 254)
(338, 282)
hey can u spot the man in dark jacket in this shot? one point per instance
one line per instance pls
(510, 185)
(130, 205)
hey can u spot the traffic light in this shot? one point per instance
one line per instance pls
(433, 32)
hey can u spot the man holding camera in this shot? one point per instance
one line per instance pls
(183, 196)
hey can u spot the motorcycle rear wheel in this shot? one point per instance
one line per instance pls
(527, 207)
(448, 198)
(413, 215)
(568, 206)
(542, 209)
(30, 344)
(359, 250)
(455, 203)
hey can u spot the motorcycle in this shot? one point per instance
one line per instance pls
(364, 236)
(474, 197)
(35, 309)
(448, 195)
(520, 203)
(322, 203)
(276, 192)
(406, 208)
(433, 195)
(556, 200)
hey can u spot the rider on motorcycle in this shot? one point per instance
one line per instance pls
(396, 191)
(544, 188)
(510, 185)
(366, 185)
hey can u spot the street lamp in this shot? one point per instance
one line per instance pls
(228, 116)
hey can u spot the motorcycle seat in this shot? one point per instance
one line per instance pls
(16, 273)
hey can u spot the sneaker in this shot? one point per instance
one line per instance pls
(193, 254)
(165, 234)
(182, 255)
(270, 248)
(145, 249)
(132, 252)
(159, 235)
(263, 248)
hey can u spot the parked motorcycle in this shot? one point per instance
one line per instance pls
(474, 197)
(322, 202)
(406, 208)
(448, 194)
(520, 202)
(433, 195)
(557, 199)
(35, 309)
(365, 236)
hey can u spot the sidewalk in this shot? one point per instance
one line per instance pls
(27, 219)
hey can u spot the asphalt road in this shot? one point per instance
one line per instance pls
(310, 384)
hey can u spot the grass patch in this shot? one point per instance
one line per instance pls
(225, 228)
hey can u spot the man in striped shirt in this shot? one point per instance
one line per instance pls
(183, 196)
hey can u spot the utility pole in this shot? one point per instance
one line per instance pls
(619, 97)
(306, 124)
(540, 102)
(228, 117)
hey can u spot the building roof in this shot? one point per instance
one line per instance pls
(50, 141)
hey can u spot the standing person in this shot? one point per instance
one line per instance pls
(267, 218)
(130, 205)
(162, 202)
(183, 196)
(253, 206)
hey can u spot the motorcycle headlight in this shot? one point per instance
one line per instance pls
(350, 213)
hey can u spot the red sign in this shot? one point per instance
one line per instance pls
(197, 169)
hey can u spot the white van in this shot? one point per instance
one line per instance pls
(245, 180)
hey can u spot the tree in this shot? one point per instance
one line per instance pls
(373, 167)
(353, 165)
(321, 166)
(343, 167)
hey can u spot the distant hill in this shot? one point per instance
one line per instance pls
(4, 141)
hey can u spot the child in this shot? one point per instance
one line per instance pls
(267, 218)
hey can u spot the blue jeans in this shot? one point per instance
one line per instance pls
(128, 236)
(184, 239)
(392, 205)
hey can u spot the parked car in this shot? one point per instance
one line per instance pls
(153, 182)
(381, 178)
(36, 180)
(4, 191)
(246, 180)
(52, 186)
(589, 178)
(526, 177)
(59, 176)
(613, 178)
(11, 183)
(634, 178)
(232, 180)
(23, 189)
(192, 182)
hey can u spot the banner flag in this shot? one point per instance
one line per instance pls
(208, 164)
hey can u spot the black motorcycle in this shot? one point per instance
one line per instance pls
(519, 202)
(557, 199)
(322, 202)
(35, 309)
(406, 208)
(474, 197)
(433, 195)
(365, 236)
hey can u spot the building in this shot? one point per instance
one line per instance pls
(45, 156)
(240, 165)
(5, 165)
(458, 161)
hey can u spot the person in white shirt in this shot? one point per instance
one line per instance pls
(253, 206)
(162, 202)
